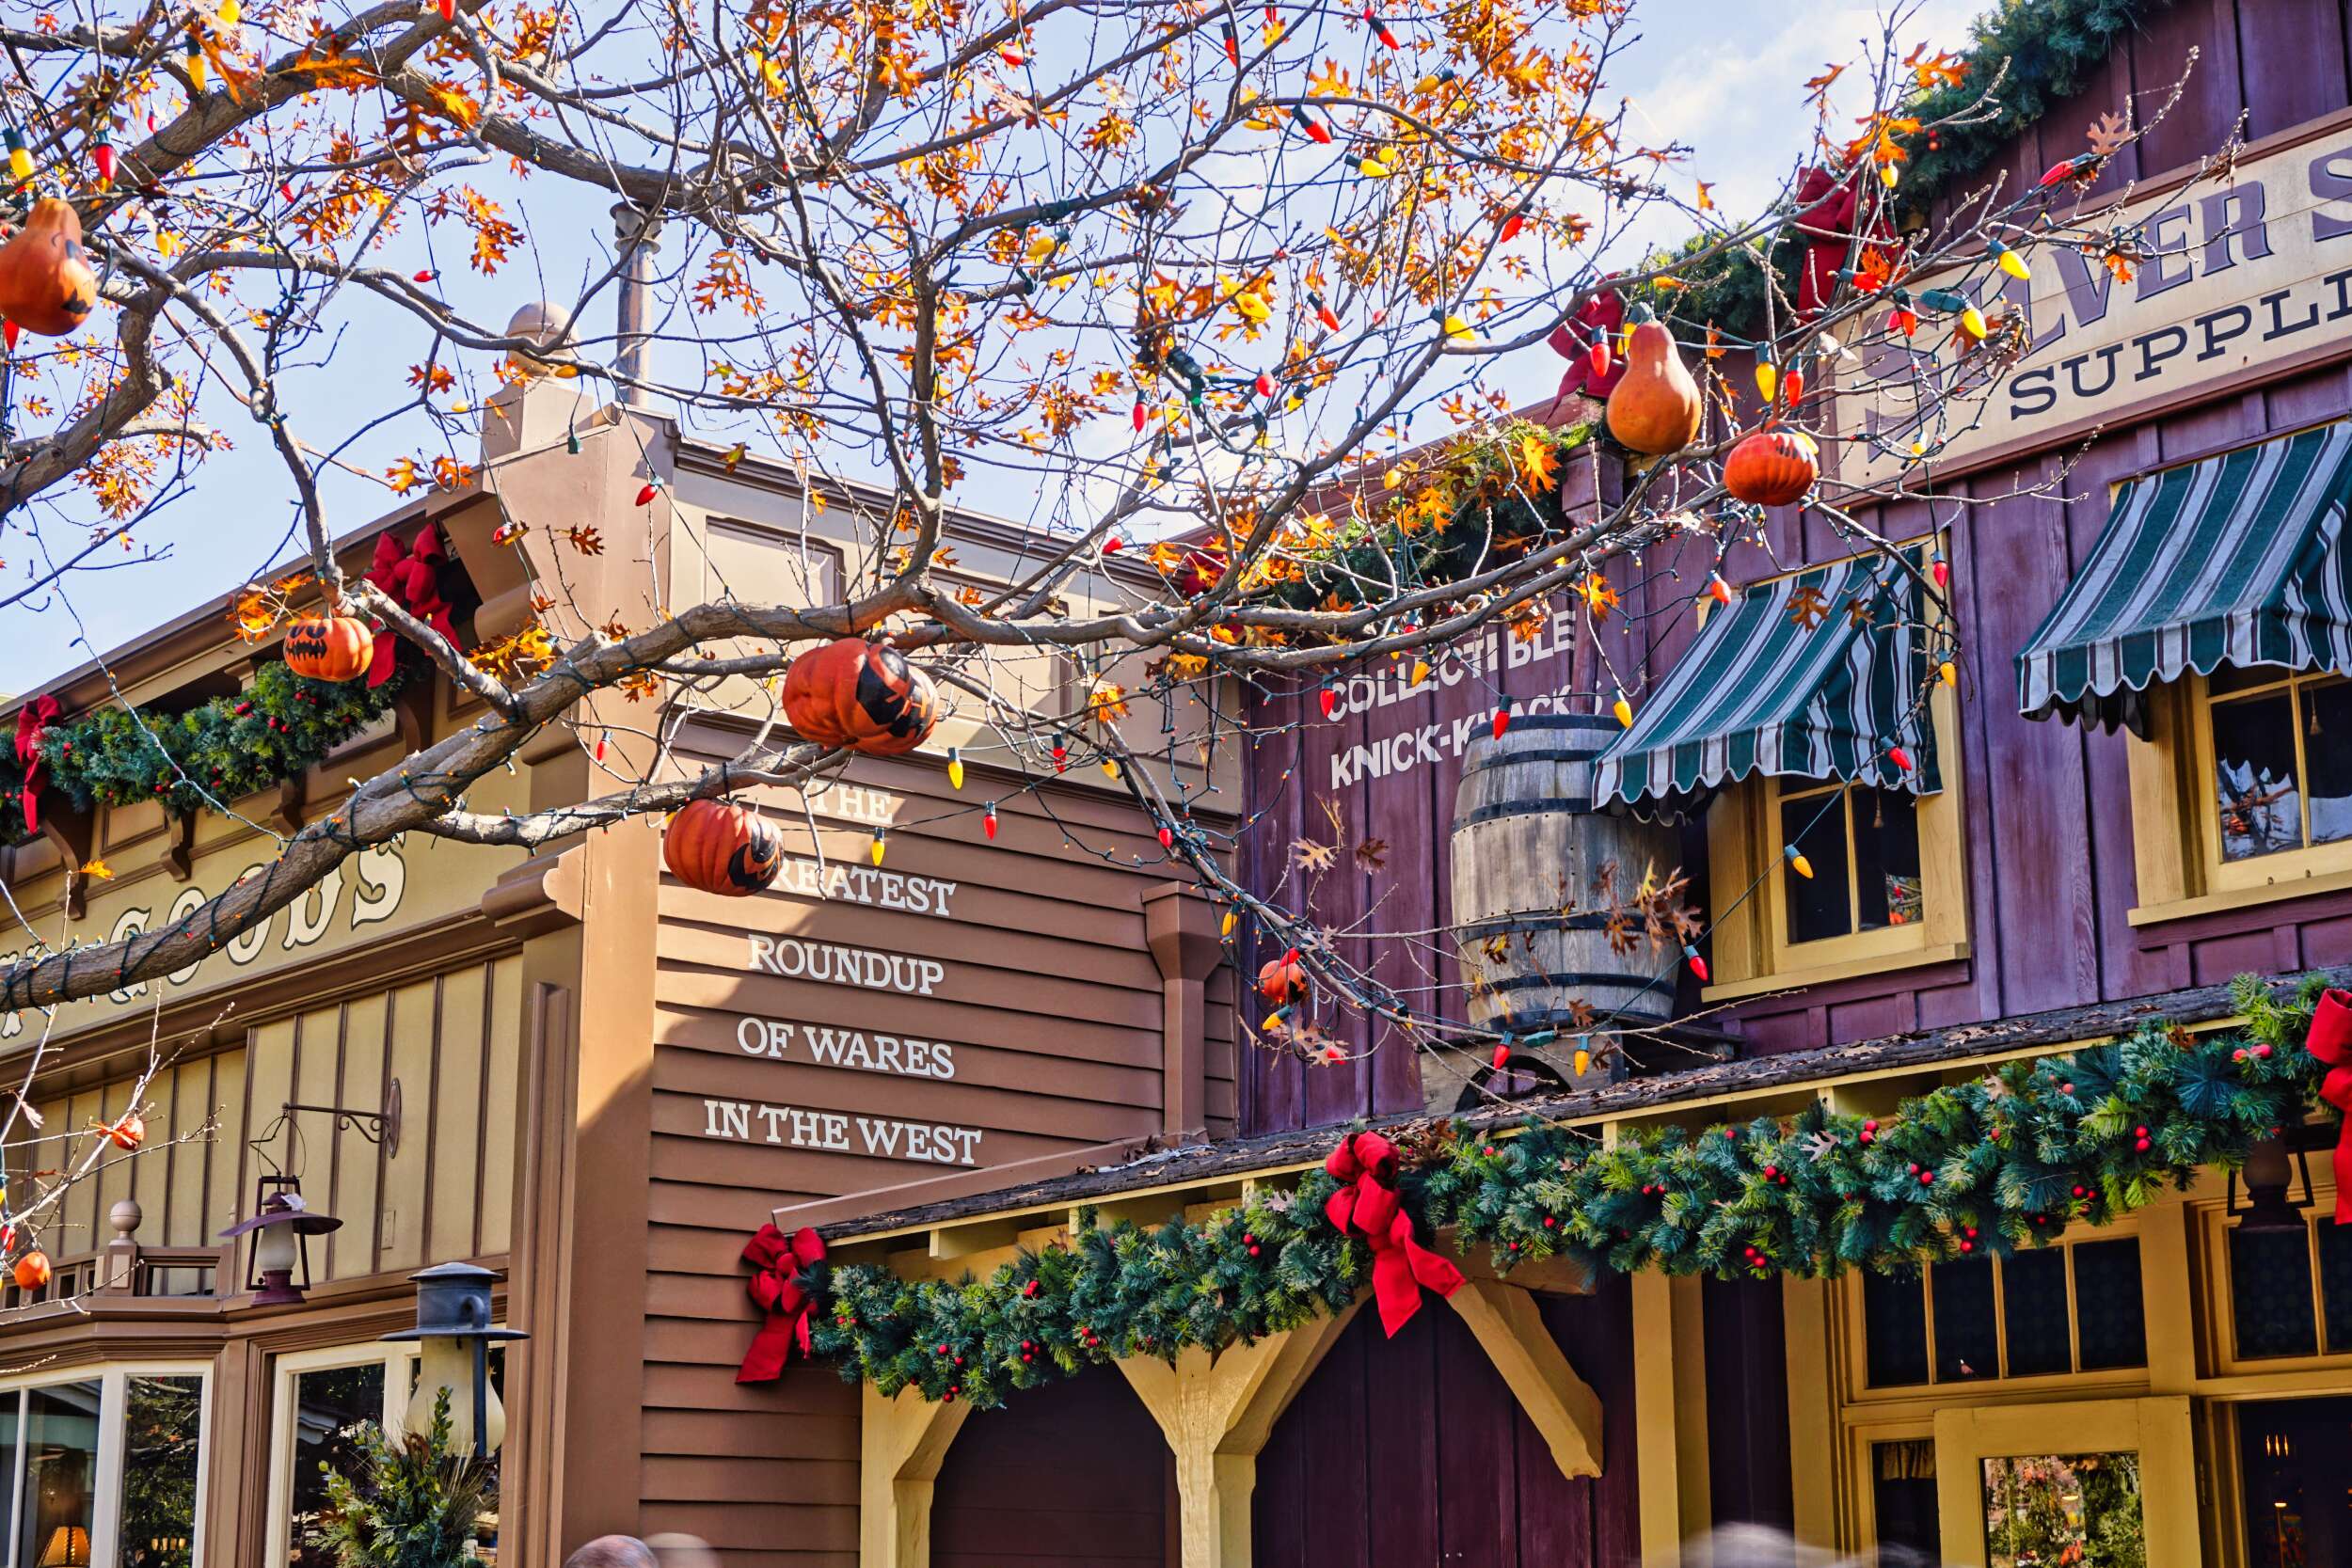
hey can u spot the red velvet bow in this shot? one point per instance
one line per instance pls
(1367, 1204)
(1827, 220)
(1596, 321)
(775, 1259)
(2330, 1040)
(32, 721)
(413, 578)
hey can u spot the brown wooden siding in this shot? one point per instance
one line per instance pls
(1052, 1003)
(1072, 1473)
(452, 1040)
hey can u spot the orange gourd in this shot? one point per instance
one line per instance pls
(46, 284)
(720, 848)
(861, 695)
(329, 647)
(1772, 468)
(1279, 980)
(1656, 408)
(32, 1270)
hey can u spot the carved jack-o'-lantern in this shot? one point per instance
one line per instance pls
(861, 695)
(329, 647)
(1279, 980)
(32, 1270)
(720, 848)
(46, 284)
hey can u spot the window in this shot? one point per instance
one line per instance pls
(106, 1468)
(1863, 847)
(2294, 1476)
(2045, 1313)
(2291, 1290)
(2243, 790)
(323, 1399)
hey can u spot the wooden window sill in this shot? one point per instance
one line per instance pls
(2242, 898)
(1820, 975)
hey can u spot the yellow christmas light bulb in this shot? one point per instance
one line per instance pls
(1767, 379)
(874, 853)
(1798, 864)
(228, 13)
(1225, 927)
(1421, 671)
(20, 163)
(1041, 248)
(1110, 768)
(1456, 328)
(1582, 1061)
(1890, 173)
(1972, 322)
(1623, 709)
(1948, 672)
(955, 769)
(2010, 263)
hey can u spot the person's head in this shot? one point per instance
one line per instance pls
(613, 1551)
(682, 1551)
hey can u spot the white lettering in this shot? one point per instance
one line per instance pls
(726, 1118)
(383, 877)
(309, 916)
(836, 964)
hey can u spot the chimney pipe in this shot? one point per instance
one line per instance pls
(638, 236)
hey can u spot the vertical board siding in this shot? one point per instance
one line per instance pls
(1408, 1451)
(192, 1186)
(1748, 1471)
(1074, 1473)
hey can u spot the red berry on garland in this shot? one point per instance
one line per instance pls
(2066, 1088)
(2239, 1055)
(2078, 1192)
(1969, 1230)
(1550, 1222)
(1967, 1246)
(1030, 1289)
(1025, 1356)
(1771, 1172)
(2262, 1050)
(2140, 1143)
(1253, 1251)
(939, 1349)
(1926, 1179)
(1488, 1151)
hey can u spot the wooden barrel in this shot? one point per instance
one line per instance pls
(1529, 929)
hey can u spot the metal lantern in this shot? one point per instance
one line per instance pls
(455, 1334)
(2269, 1174)
(281, 1226)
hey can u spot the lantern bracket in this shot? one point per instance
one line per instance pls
(378, 1127)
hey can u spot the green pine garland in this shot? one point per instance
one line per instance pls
(1992, 1165)
(227, 748)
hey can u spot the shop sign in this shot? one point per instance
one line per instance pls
(2236, 276)
(841, 1133)
(1443, 739)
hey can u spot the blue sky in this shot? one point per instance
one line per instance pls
(1723, 79)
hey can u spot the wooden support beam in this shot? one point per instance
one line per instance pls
(1806, 1305)
(1563, 1406)
(1216, 1413)
(901, 1444)
(1669, 1415)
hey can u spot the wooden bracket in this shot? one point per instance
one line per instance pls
(179, 842)
(74, 834)
(293, 791)
(1216, 1413)
(901, 1444)
(1511, 1330)
(412, 712)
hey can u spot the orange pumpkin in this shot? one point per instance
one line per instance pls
(1656, 408)
(861, 695)
(1772, 468)
(1279, 980)
(46, 284)
(129, 1132)
(720, 848)
(329, 647)
(32, 1270)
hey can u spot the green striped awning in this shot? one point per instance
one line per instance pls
(1821, 694)
(2237, 559)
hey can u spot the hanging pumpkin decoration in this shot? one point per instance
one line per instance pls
(46, 284)
(720, 848)
(1655, 408)
(32, 1270)
(861, 695)
(126, 1134)
(1772, 468)
(329, 647)
(1279, 980)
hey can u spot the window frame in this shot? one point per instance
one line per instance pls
(2158, 1428)
(1939, 1391)
(1751, 950)
(113, 1379)
(397, 1357)
(2260, 871)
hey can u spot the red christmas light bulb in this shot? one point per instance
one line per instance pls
(988, 820)
(102, 157)
(1168, 838)
(423, 274)
(1502, 1054)
(1012, 57)
(1113, 544)
(1330, 699)
(1899, 757)
(1718, 588)
(1699, 965)
(1596, 359)
(1232, 43)
(1324, 313)
(1511, 226)
(645, 495)
(1138, 415)
(1941, 570)
(1380, 31)
(1502, 720)
(1263, 385)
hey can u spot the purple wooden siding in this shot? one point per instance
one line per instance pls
(1071, 1472)
(2049, 850)
(1404, 1452)
(1748, 1463)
